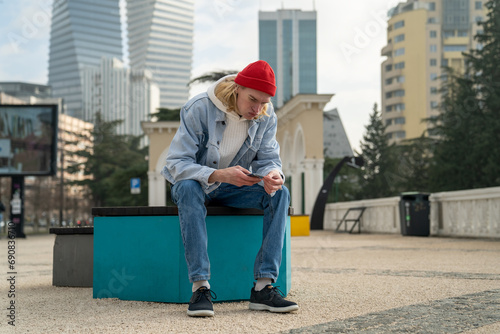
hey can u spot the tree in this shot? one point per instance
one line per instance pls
(120, 180)
(211, 76)
(467, 153)
(111, 162)
(166, 114)
(346, 184)
(377, 172)
(412, 164)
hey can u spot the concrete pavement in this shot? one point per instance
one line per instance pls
(343, 283)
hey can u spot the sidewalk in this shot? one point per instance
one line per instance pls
(343, 283)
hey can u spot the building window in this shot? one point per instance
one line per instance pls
(399, 38)
(462, 33)
(388, 68)
(395, 93)
(399, 93)
(395, 107)
(433, 76)
(400, 134)
(478, 18)
(399, 24)
(434, 90)
(433, 48)
(454, 48)
(431, 20)
(448, 33)
(399, 52)
(444, 62)
(399, 79)
(399, 120)
(434, 105)
(432, 6)
(479, 5)
(388, 122)
(433, 33)
(399, 66)
(433, 62)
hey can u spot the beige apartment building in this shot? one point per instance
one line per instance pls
(422, 37)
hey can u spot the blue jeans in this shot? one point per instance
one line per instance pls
(190, 200)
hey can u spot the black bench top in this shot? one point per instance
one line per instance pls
(72, 230)
(172, 211)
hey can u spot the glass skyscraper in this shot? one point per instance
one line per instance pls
(287, 41)
(160, 37)
(82, 32)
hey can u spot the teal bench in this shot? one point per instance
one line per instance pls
(139, 254)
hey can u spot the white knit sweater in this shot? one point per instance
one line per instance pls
(235, 133)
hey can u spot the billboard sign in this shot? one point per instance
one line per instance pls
(28, 140)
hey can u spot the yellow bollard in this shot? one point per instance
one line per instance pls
(299, 225)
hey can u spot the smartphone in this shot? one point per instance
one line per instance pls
(253, 175)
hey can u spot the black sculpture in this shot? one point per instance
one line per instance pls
(318, 212)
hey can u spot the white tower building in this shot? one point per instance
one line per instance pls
(160, 37)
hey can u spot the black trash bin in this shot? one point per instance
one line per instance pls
(414, 211)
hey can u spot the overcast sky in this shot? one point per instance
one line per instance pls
(350, 37)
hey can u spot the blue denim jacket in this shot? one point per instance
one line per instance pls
(194, 151)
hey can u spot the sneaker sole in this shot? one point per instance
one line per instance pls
(200, 313)
(263, 307)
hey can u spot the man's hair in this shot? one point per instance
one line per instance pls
(225, 91)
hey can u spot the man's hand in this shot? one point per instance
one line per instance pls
(272, 181)
(235, 175)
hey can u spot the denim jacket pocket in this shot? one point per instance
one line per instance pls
(255, 145)
(202, 147)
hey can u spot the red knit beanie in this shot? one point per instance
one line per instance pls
(258, 76)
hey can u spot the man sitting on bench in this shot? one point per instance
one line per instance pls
(225, 153)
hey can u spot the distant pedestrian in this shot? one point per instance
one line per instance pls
(2, 209)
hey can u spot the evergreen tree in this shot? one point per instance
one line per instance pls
(346, 184)
(412, 164)
(166, 114)
(376, 178)
(467, 153)
(111, 162)
(211, 76)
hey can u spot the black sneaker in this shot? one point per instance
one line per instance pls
(270, 299)
(200, 304)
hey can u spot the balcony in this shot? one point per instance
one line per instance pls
(456, 40)
(393, 86)
(392, 100)
(387, 50)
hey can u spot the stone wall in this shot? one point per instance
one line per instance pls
(465, 213)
